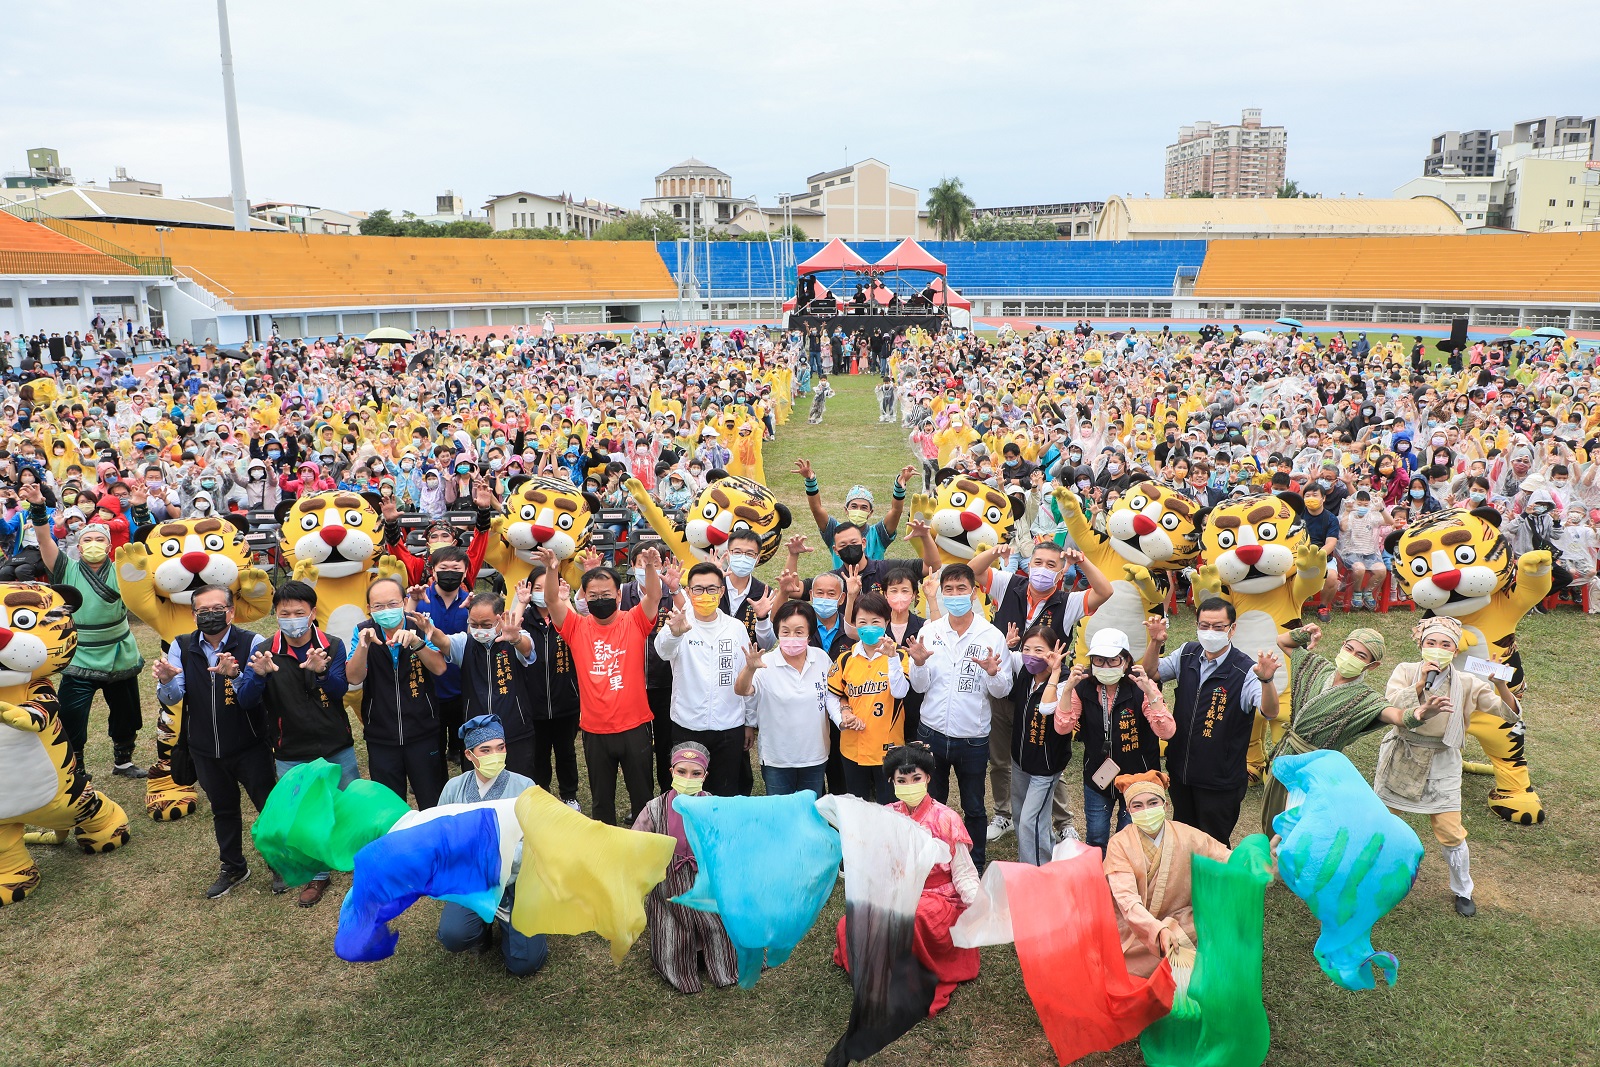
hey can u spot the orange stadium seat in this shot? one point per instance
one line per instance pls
(33, 248)
(1558, 267)
(260, 271)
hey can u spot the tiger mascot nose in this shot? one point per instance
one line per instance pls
(1143, 525)
(194, 562)
(5, 637)
(332, 535)
(970, 521)
(542, 534)
(1249, 555)
(1446, 580)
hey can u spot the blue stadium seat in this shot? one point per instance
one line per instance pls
(748, 269)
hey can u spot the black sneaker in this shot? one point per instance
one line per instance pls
(279, 886)
(226, 881)
(129, 770)
(1465, 907)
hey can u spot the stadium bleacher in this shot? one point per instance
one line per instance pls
(748, 269)
(1554, 267)
(256, 271)
(33, 248)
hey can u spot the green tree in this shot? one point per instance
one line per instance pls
(1290, 190)
(794, 232)
(1201, 194)
(993, 229)
(949, 209)
(380, 223)
(542, 233)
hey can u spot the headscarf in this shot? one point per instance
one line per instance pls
(686, 752)
(476, 731)
(1134, 785)
(1372, 639)
(1434, 625)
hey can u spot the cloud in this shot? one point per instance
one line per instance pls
(362, 106)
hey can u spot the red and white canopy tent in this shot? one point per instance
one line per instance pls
(905, 256)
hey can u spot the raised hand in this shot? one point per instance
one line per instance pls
(1076, 675)
(1266, 665)
(907, 473)
(227, 666)
(138, 493)
(791, 585)
(1013, 635)
(678, 622)
(482, 495)
(263, 663)
(389, 509)
(163, 671)
(797, 545)
(589, 560)
(752, 658)
(547, 559)
(650, 559)
(1141, 679)
(990, 663)
(1155, 629)
(416, 593)
(917, 528)
(802, 467)
(1438, 704)
(852, 585)
(918, 651)
(510, 624)
(762, 605)
(317, 661)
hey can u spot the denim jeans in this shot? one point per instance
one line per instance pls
(969, 758)
(1030, 807)
(781, 781)
(461, 929)
(345, 758)
(1097, 816)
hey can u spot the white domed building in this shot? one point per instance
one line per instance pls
(697, 188)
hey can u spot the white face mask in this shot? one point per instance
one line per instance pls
(1213, 640)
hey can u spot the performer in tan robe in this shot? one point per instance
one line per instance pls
(1148, 866)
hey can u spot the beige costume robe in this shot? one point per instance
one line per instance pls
(1420, 770)
(1150, 884)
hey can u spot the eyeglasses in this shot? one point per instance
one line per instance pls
(705, 590)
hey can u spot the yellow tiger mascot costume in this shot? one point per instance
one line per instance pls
(158, 571)
(1259, 558)
(1149, 532)
(331, 540)
(41, 782)
(541, 513)
(727, 504)
(967, 517)
(1457, 563)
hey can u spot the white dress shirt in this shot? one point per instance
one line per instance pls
(791, 709)
(957, 690)
(705, 662)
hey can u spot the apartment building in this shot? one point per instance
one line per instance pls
(1243, 160)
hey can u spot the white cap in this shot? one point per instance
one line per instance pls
(1108, 643)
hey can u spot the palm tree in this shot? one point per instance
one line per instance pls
(1289, 190)
(949, 209)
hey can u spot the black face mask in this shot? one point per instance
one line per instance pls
(211, 621)
(448, 581)
(603, 608)
(851, 554)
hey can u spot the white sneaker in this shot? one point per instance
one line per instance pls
(999, 826)
(573, 804)
(1069, 834)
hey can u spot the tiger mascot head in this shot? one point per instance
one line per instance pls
(37, 637)
(1452, 562)
(189, 554)
(337, 531)
(1155, 527)
(1253, 541)
(729, 503)
(548, 513)
(969, 516)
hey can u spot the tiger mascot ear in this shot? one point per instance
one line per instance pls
(1488, 515)
(240, 522)
(784, 517)
(142, 534)
(715, 474)
(1391, 541)
(70, 596)
(593, 502)
(944, 474)
(1018, 506)
(515, 482)
(281, 512)
(374, 500)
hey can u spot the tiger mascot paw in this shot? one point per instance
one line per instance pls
(1207, 582)
(254, 584)
(390, 567)
(305, 571)
(1520, 809)
(1477, 768)
(166, 800)
(17, 882)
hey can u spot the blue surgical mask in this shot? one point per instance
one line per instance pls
(956, 606)
(294, 628)
(826, 607)
(1417, 494)
(537, 598)
(870, 635)
(743, 566)
(389, 618)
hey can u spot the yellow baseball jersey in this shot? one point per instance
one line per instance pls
(862, 685)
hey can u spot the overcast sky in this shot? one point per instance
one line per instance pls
(366, 105)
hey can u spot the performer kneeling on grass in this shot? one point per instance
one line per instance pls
(1148, 865)
(951, 887)
(1419, 759)
(679, 936)
(483, 739)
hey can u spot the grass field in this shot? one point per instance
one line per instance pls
(119, 959)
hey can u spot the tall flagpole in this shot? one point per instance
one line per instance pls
(241, 203)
